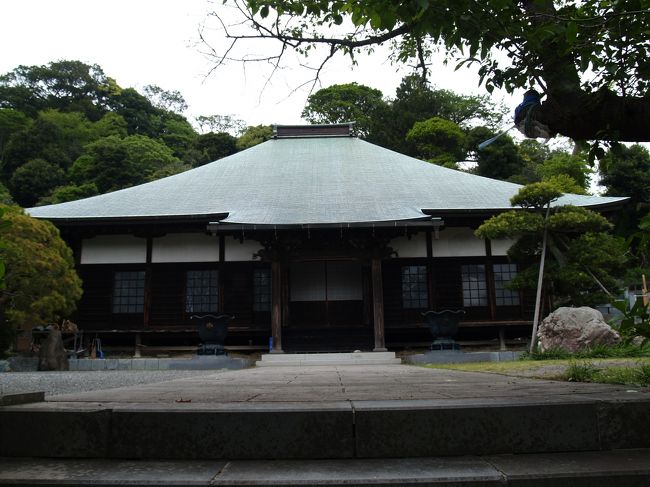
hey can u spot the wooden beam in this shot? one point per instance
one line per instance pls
(276, 306)
(378, 305)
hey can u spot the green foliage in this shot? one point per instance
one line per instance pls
(635, 321)
(499, 160)
(626, 172)
(581, 372)
(511, 224)
(112, 163)
(536, 196)
(583, 258)
(582, 52)
(349, 102)
(170, 169)
(6, 331)
(5, 196)
(221, 123)
(57, 137)
(565, 184)
(213, 146)
(171, 101)
(69, 192)
(438, 138)
(68, 131)
(41, 283)
(11, 121)
(577, 220)
(253, 136)
(589, 372)
(564, 164)
(620, 350)
(35, 179)
(110, 124)
(62, 85)
(415, 101)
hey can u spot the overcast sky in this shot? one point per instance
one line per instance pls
(141, 42)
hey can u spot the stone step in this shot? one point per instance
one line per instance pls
(337, 358)
(622, 468)
(344, 429)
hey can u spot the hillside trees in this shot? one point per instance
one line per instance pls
(68, 131)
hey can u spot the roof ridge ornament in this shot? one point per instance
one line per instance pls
(345, 129)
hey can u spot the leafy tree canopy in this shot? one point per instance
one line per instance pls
(41, 285)
(438, 140)
(113, 163)
(63, 85)
(254, 135)
(589, 57)
(349, 102)
(213, 146)
(35, 179)
(221, 123)
(585, 261)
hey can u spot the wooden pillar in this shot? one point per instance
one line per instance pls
(378, 305)
(489, 277)
(276, 306)
(285, 295)
(146, 318)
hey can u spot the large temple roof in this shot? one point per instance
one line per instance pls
(305, 180)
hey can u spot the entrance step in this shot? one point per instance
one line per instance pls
(307, 359)
(332, 430)
(622, 468)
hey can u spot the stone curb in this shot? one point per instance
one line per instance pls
(622, 468)
(194, 363)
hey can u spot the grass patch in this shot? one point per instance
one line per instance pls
(627, 371)
(581, 372)
(598, 351)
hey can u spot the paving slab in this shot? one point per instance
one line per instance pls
(335, 383)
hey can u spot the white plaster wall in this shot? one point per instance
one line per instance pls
(500, 247)
(415, 247)
(458, 242)
(114, 249)
(185, 247)
(240, 251)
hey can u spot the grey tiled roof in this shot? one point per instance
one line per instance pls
(305, 181)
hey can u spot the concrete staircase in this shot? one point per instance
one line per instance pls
(309, 359)
(582, 436)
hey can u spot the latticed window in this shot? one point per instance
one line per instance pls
(202, 291)
(503, 274)
(128, 292)
(262, 290)
(414, 286)
(474, 285)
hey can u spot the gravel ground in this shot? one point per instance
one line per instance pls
(53, 383)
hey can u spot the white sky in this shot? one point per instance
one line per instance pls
(141, 42)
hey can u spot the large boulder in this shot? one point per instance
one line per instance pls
(575, 329)
(52, 355)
